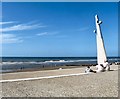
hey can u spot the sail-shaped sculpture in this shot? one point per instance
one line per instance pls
(101, 52)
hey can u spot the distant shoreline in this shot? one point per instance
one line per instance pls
(95, 57)
(49, 68)
(21, 64)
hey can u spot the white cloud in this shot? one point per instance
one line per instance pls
(9, 38)
(41, 34)
(21, 27)
(6, 37)
(2, 23)
(46, 33)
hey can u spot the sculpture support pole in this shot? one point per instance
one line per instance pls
(101, 52)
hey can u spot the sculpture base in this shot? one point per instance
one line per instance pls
(100, 68)
(103, 67)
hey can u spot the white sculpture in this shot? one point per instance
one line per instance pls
(101, 52)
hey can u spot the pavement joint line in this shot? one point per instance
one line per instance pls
(44, 77)
(38, 78)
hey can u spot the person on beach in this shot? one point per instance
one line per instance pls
(106, 65)
(88, 70)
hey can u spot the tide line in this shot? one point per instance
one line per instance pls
(38, 78)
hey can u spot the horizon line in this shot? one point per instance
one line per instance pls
(52, 56)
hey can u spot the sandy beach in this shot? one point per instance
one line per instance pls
(104, 84)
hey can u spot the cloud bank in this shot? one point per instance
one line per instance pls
(6, 37)
(9, 38)
(21, 27)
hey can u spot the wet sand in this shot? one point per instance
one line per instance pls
(103, 84)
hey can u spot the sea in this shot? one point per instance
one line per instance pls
(9, 64)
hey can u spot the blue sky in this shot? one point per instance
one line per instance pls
(57, 29)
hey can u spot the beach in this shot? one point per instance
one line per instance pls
(104, 84)
(59, 49)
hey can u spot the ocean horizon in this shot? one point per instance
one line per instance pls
(19, 63)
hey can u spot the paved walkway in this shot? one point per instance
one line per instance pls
(34, 75)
